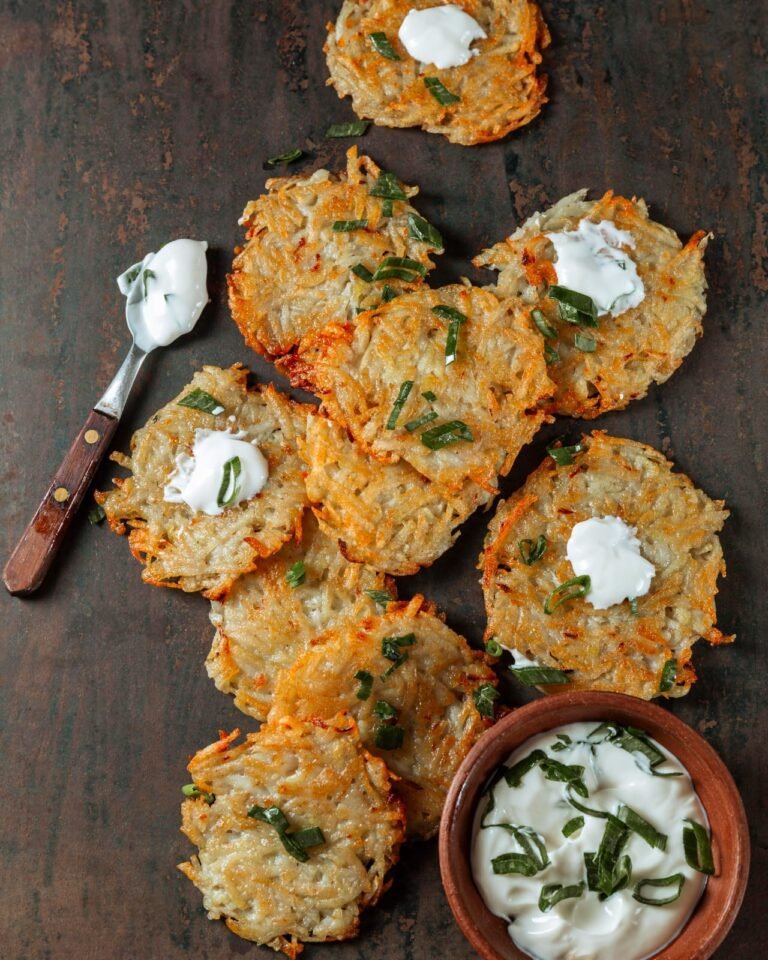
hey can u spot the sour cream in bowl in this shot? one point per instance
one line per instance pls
(522, 884)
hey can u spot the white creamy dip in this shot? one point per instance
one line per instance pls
(584, 927)
(165, 293)
(440, 35)
(590, 260)
(607, 551)
(202, 479)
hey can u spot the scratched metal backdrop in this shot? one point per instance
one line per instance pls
(125, 124)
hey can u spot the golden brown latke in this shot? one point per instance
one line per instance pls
(496, 385)
(384, 514)
(499, 88)
(319, 776)
(265, 622)
(180, 547)
(643, 345)
(431, 693)
(294, 274)
(610, 649)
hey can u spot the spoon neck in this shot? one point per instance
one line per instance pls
(115, 396)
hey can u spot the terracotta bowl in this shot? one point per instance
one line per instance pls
(719, 905)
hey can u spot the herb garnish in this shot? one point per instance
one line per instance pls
(388, 186)
(388, 294)
(389, 737)
(96, 514)
(347, 226)
(387, 208)
(563, 456)
(574, 824)
(537, 676)
(146, 275)
(399, 268)
(633, 607)
(550, 354)
(360, 270)
(382, 46)
(543, 325)
(641, 827)
(677, 880)
(391, 648)
(384, 710)
(493, 647)
(698, 850)
(530, 552)
(582, 342)
(447, 433)
(284, 158)
(397, 407)
(514, 863)
(613, 871)
(192, 791)
(455, 319)
(443, 96)
(296, 574)
(552, 893)
(356, 128)
(574, 307)
(229, 490)
(668, 676)
(366, 684)
(427, 417)
(513, 775)
(379, 596)
(429, 395)
(198, 399)
(485, 696)
(572, 589)
(296, 843)
(420, 229)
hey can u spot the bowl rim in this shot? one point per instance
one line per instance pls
(718, 906)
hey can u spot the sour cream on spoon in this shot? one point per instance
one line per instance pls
(440, 36)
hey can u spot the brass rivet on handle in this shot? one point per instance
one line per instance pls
(60, 494)
(91, 436)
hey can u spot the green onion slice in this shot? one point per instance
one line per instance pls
(611, 875)
(296, 844)
(642, 827)
(543, 325)
(574, 824)
(513, 775)
(420, 421)
(563, 456)
(388, 186)
(360, 270)
(570, 590)
(580, 302)
(379, 596)
(668, 676)
(676, 880)
(401, 268)
(198, 399)
(284, 158)
(443, 96)
(514, 863)
(565, 742)
(356, 128)
(366, 684)
(447, 433)
(493, 647)
(550, 354)
(296, 574)
(698, 849)
(397, 407)
(582, 342)
(308, 837)
(391, 648)
(570, 773)
(634, 608)
(229, 490)
(389, 737)
(347, 226)
(532, 843)
(384, 710)
(420, 229)
(387, 208)
(485, 696)
(537, 676)
(382, 46)
(429, 396)
(530, 552)
(96, 514)
(590, 811)
(388, 294)
(552, 893)
(192, 791)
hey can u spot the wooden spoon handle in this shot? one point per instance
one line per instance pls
(39, 543)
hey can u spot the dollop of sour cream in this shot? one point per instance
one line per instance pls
(204, 482)
(607, 550)
(440, 35)
(584, 927)
(591, 261)
(165, 293)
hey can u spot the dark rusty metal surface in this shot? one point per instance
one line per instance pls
(123, 125)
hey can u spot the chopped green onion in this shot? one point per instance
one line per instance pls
(384, 710)
(668, 676)
(388, 186)
(366, 684)
(543, 325)
(443, 96)
(399, 268)
(379, 596)
(635, 741)
(274, 816)
(308, 837)
(532, 843)
(536, 676)
(493, 647)
(131, 274)
(583, 305)
(675, 880)
(356, 128)
(563, 456)
(296, 574)
(530, 552)
(550, 354)
(574, 824)
(388, 294)
(514, 863)
(391, 648)
(582, 342)
(633, 607)
(347, 226)
(382, 46)
(447, 433)
(198, 399)
(552, 893)
(146, 275)
(641, 827)
(697, 847)
(420, 229)
(389, 737)
(420, 421)
(570, 773)
(611, 872)
(295, 843)
(513, 775)
(363, 272)
(229, 490)
(96, 514)
(192, 791)
(484, 696)
(570, 590)
(397, 407)
(429, 395)
(590, 811)
(387, 208)
(284, 158)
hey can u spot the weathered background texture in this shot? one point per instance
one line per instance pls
(125, 124)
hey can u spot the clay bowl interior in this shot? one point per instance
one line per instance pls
(719, 905)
